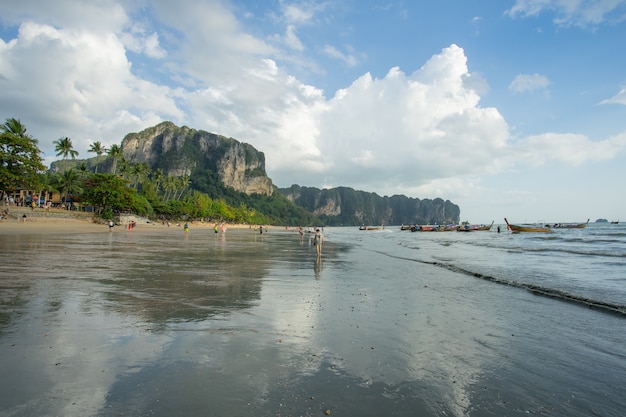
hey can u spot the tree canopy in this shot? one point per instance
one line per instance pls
(109, 191)
(20, 157)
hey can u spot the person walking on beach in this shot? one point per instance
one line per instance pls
(111, 224)
(318, 240)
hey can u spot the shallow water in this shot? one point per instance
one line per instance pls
(158, 323)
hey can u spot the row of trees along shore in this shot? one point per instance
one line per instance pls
(126, 187)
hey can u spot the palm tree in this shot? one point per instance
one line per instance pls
(182, 184)
(123, 167)
(48, 183)
(64, 147)
(15, 127)
(139, 172)
(157, 177)
(68, 182)
(99, 150)
(115, 151)
(169, 185)
(82, 170)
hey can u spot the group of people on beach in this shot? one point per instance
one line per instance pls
(217, 229)
(317, 238)
(221, 228)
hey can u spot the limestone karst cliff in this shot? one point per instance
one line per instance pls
(198, 154)
(343, 206)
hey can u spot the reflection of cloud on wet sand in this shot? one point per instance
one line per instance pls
(400, 328)
(76, 356)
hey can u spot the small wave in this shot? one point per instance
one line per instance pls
(543, 291)
(595, 252)
(608, 307)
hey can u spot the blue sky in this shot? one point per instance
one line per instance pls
(507, 108)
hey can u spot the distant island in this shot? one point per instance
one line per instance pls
(602, 221)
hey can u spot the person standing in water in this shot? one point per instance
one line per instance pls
(186, 228)
(318, 240)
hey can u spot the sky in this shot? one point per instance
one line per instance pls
(510, 109)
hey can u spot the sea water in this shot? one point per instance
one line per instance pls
(585, 265)
(385, 322)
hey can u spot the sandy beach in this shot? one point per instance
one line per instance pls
(54, 225)
(49, 226)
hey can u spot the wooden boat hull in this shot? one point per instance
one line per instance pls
(448, 228)
(515, 228)
(424, 228)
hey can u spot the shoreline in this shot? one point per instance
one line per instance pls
(55, 225)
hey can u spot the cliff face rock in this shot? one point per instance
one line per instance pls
(179, 151)
(345, 206)
(330, 208)
(317, 203)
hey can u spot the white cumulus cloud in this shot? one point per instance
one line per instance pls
(524, 83)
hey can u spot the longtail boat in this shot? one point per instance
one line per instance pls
(424, 228)
(533, 228)
(569, 225)
(466, 227)
(448, 228)
(428, 228)
(370, 227)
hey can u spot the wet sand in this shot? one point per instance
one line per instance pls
(166, 324)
